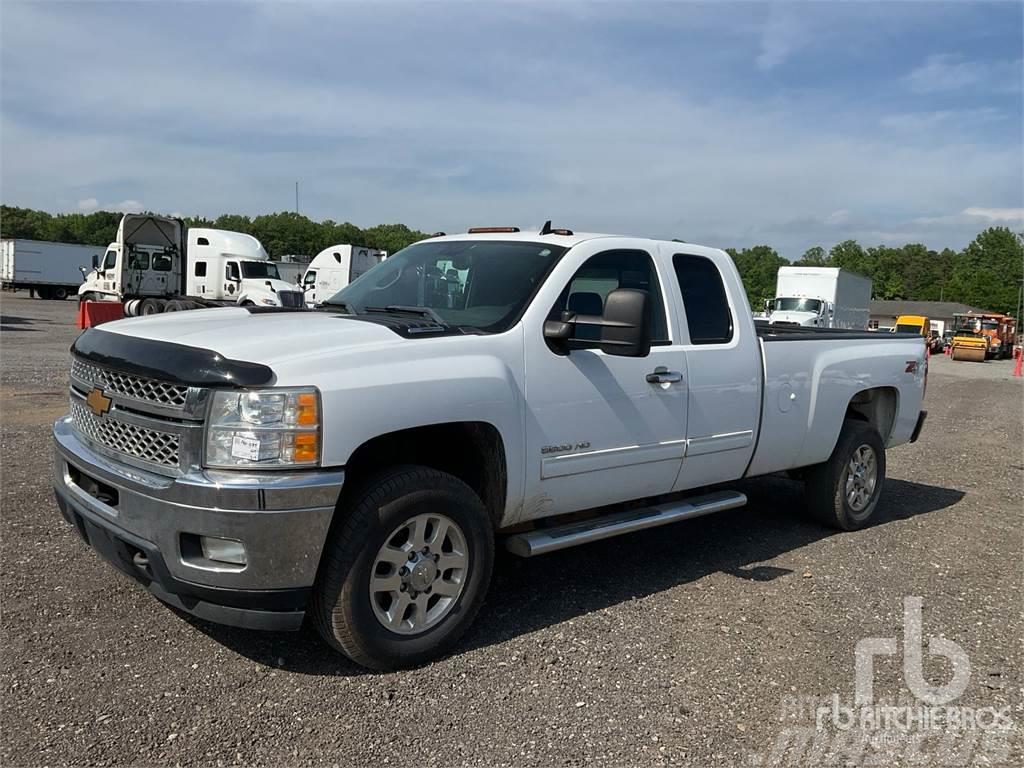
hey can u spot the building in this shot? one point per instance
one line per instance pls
(939, 313)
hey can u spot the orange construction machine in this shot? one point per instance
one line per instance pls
(979, 336)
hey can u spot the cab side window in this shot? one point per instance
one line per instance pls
(310, 277)
(110, 260)
(231, 271)
(200, 269)
(601, 274)
(707, 307)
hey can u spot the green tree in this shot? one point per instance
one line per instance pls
(988, 271)
(392, 237)
(815, 256)
(759, 268)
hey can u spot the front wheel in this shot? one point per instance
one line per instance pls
(405, 569)
(844, 491)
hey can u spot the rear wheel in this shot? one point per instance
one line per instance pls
(405, 569)
(843, 492)
(151, 307)
(177, 305)
(60, 293)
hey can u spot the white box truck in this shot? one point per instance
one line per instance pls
(821, 297)
(334, 268)
(49, 270)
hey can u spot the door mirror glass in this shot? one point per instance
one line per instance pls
(626, 326)
(95, 260)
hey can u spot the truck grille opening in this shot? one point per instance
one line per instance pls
(138, 442)
(291, 298)
(128, 385)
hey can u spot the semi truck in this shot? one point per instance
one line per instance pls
(358, 463)
(821, 297)
(46, 269)
(334, 268)
(157, 264)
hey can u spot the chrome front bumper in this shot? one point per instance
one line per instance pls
(148, 524)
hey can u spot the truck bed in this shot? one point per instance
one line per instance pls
(807, 387)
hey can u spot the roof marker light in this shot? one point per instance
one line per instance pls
(487, 230)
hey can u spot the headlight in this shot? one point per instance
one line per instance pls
(269, 302)
(263, 428)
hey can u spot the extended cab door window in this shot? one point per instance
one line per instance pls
(110, 260)
(600, 275)
(707, 309)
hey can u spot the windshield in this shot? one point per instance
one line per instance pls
(260, 269)
(480, 284)
(905, 328)
(798, 305)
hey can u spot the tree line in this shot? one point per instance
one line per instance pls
(282, 234)
(986, 273)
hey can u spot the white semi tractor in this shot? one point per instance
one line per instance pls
(334, 268)
(820, 297)
(158, 265)
(47, 269)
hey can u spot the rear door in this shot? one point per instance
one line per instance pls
(598, 430)
(724, 363)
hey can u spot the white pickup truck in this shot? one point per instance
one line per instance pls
(358, 462)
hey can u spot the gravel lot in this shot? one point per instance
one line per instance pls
(692, 644)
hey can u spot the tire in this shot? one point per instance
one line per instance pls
(87, 297)
(342, 608)
(151, 307)
(44, 293)
(247, 303)
(59, 293)
(828, 489)
(176, 305)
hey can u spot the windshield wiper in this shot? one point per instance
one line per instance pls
(395, 309)
(342, 305)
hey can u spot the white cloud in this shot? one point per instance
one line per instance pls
(996, 214)
(127, 206)
(951, 72)
(88, 204)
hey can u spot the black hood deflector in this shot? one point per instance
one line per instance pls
(166, 361)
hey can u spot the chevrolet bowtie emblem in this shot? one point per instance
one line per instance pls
(98, 402)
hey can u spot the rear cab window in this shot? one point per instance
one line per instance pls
(705, 302)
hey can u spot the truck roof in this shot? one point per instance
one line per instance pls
(566, 241)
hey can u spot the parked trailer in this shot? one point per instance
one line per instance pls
(47, 269)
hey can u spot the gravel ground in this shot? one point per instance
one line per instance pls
(696, 644)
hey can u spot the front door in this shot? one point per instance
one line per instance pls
(602, 428)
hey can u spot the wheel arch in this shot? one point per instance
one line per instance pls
(878, 407)
(472, 451)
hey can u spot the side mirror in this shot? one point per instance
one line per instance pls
(626, 324)
(95, 261)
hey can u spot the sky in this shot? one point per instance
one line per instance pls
(729, 124)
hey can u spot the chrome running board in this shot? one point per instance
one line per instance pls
(544, 540)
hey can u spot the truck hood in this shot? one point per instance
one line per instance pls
(800, 318)
(271, 338)
(260, 284)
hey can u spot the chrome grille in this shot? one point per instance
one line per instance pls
(129, 385)
(138, 442)
(291, 298)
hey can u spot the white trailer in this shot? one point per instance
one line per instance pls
(334, 268)
(821, 297)
(49, 270)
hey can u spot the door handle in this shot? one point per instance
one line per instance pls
(663, 375)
